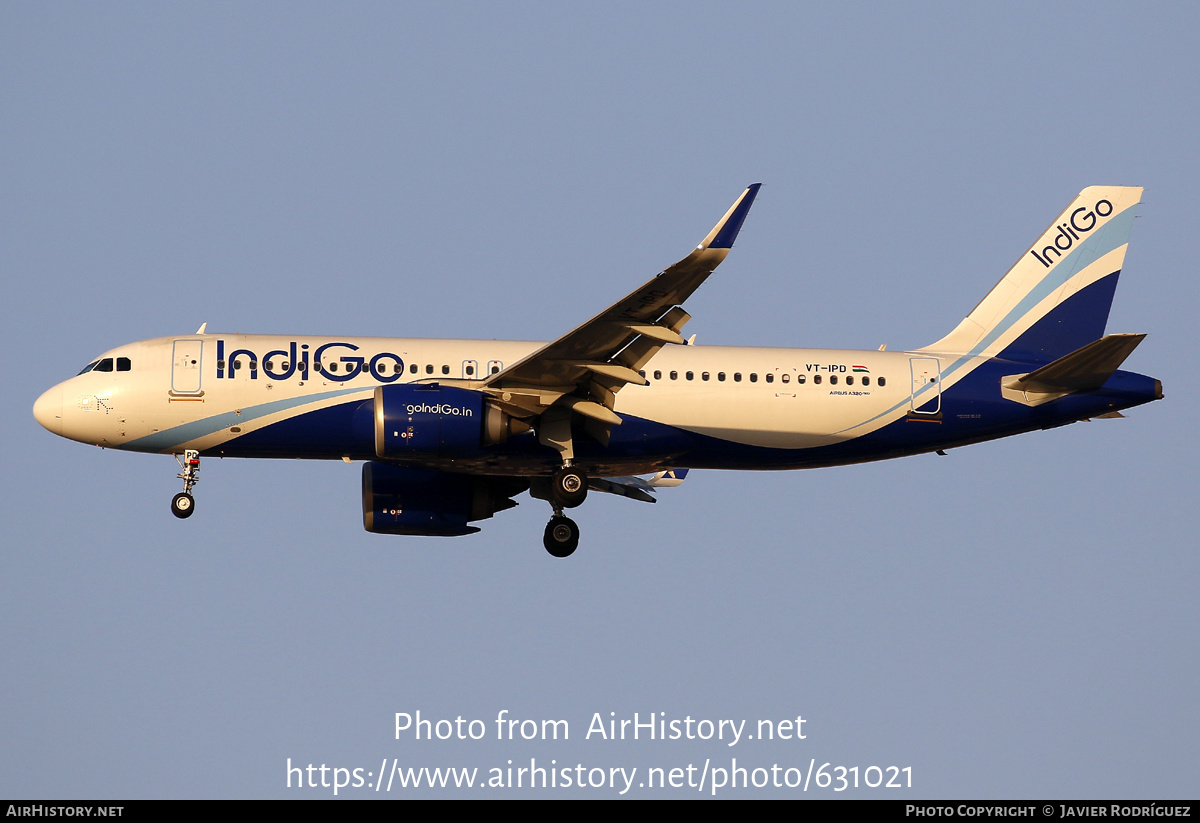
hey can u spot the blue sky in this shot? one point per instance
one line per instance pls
(1016, 619)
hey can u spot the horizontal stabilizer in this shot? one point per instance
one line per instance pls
(621, 489)
(639, 488)
(1084, 369)
(668, 478)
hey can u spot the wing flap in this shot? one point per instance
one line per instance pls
(579, 374)
(630, 331)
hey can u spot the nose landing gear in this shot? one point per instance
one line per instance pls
(183, 504)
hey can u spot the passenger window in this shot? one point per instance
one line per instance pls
(642, 373)
(220, 365)
(470, 371)
(704, 375)
(429, 369)
(674, 375)
(495, 369)
(785, 377)
(721, 376)
(849, 380)
(833, 379)
(770, 378)
(817, 379)
(737, 377)
(753, 377)
(333, 367)
(882, 382)
(866, 381)
(657, 374)
(800, 379)
(412, 368)
(690, 375)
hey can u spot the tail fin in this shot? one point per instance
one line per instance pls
(1056, 298)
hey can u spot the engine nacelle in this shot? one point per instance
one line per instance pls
(399, 500)
(418, 420)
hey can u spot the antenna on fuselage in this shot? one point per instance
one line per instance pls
(200, 330)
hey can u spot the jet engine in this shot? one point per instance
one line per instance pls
(398, 500)
(417, 420)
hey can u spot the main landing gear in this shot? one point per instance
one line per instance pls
(562, 536)
(183, 504)
(568, 489)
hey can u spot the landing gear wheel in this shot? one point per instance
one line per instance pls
(182, 505)
(562, 536)
(570, 487)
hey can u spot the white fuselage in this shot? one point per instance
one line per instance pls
(775, 398)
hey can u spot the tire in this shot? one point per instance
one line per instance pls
(562, 536)
(570, 488)
(182, 505)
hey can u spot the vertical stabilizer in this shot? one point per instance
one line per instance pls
(1056, 298)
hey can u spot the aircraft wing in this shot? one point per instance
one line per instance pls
(582, 370)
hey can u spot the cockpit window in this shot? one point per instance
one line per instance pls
(89, 367)
(104, 365)
(124, 364)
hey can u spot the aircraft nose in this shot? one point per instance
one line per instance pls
(48, 410)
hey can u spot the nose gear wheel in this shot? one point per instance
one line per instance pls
(183, 504)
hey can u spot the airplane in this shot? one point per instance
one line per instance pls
(450, 431)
